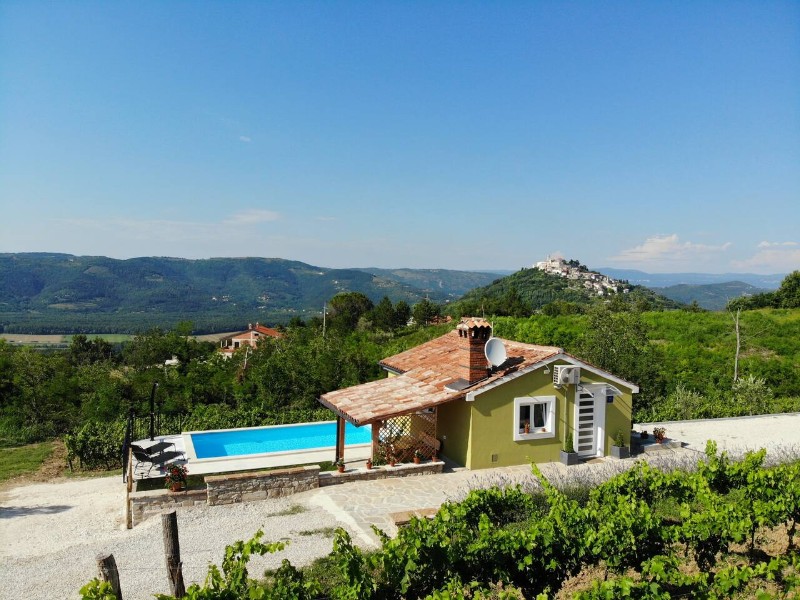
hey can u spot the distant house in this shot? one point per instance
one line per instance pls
(445, 396)
(231, 343)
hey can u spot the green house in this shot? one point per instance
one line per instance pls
(486, 402)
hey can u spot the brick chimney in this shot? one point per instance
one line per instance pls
(475, 333)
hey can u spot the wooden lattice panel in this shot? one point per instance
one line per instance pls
(401, 437)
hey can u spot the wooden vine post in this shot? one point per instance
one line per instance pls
(107, 571)
(172, 553)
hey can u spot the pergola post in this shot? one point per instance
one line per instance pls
(340, 427)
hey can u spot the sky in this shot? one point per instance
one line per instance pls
(660, 136)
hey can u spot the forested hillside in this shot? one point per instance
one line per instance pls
(60, 293)
(530, 290)
(437, 282)
(712, 296)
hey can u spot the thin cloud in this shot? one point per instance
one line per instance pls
(153, 229)
(251, 217)
(772, 257)
(245, 139)
(776, 244)
(326, 218)
(668, 249)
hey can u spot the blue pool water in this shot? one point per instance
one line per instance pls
(279, 438)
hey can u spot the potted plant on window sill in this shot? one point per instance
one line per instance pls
(619, 449)
(568, 455)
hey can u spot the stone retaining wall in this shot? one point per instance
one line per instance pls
(383, 472)
(246, 487)
(148, 504)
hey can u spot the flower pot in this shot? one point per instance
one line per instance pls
(570, 458)
(369, 464)
(416, 460)
(340, 468)
(176, 487)
(620, 452)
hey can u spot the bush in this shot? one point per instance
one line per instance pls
(96, 445)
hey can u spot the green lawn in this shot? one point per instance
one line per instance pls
(23, 459)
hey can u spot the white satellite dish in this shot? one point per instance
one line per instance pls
(495, 352)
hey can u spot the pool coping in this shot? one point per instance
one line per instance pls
(265, 459)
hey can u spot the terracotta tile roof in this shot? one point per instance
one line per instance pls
(423, 374)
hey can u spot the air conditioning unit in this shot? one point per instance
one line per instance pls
(566, 374)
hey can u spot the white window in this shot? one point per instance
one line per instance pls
(534, 417)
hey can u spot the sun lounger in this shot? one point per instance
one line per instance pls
(155, 449)
(158, 460)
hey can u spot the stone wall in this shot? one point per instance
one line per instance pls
(148, 504)
(384, 472)
(246, 487)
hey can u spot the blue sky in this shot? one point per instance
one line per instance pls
(468, 135)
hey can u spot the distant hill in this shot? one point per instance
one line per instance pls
(438, 282)
(712, 296)
(55, 293)
(532, 289)
(662, 280)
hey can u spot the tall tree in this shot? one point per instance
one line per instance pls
(345, 309)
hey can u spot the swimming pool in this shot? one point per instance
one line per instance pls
(226, 443)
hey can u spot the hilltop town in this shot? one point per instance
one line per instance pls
(574, 270)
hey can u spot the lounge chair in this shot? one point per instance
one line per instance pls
(157, 460)
(155, 449)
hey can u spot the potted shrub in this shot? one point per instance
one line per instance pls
(659, 433)
(417, 457)
(527, 427)
(369, 463)
(340, 465)
(568, 454)
(619, 449)
(176, 477)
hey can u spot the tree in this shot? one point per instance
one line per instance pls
(788, 295)
(383, 315)
(618, 343)
(345, 309)
(83, 351)
(425, 311)
(402, 313)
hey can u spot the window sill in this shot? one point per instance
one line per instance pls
(541, 435)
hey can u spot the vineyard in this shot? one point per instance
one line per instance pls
(727, 529)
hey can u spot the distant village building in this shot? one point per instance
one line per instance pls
(250, 337)
(594, 282)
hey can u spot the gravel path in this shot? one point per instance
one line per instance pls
(50, 534)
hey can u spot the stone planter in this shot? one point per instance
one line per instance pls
(620, 452)
(570, 458)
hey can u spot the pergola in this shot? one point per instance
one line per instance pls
(402, 413)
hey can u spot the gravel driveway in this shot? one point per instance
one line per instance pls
(45, 527)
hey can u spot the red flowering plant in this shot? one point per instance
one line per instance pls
(176, 474)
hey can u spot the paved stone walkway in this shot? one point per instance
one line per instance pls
(362, 504)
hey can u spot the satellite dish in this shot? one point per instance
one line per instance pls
(495, 352)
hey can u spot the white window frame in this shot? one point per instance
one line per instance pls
(549, 429)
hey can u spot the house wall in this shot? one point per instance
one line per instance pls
(453, 428)
(492, 421)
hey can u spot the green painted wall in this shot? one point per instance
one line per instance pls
(492, 421)
(453, 429)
